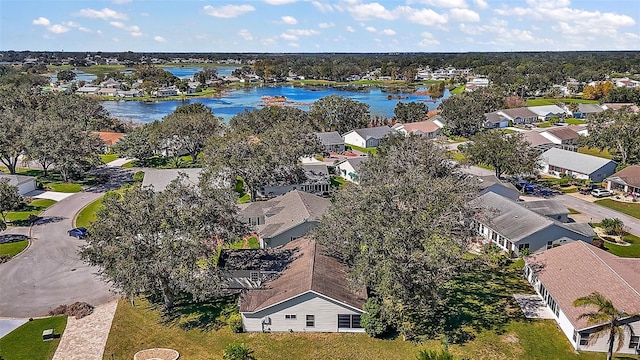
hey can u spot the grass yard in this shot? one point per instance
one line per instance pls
(107, 158)
(88, 214)
(25, 342)
(53, 181)
(370, 151)
(595, 152)
(544, 124)
(631, 209)
(458, 90)
(35, 207)
(571, 121)
(13, 248)
(553, 101)
(64, 187)
(632, 251)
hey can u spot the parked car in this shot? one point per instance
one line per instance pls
(601, 193)
(524, 186)
(78, 232)
(588, 189)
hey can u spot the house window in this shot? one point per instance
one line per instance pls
(575, 335)
(633, 342)
(584, 340)
(254, 276)
(549, 244)
(311, 320)
(347, 321)
(522, 247)
(290, 317)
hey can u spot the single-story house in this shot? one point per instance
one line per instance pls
(626, 180)
(563, 136)
(317, 180)
(110, 83)
(349, 168)
(494, 120)
(130, 93)
(88, 90)
(161, 178)
(582, 166)
(163, 92)
(521, 115)
(285, 218)
(491, 183)
(550, 208)
(332, 141)
(25, 184)
(310, 295)
(428, 129)
(586, 110)
(563, 274)
(366, 138)
(513, 227)
(108, 138)
(108, 91)
(537, 141)
(545, 112)
(249, 268)
(619, 106)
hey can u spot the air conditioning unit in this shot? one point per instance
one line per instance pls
(266, 320)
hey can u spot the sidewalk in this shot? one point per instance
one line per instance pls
(86, 338)
(118, 162)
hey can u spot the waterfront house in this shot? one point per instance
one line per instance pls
(557, 162)
(310, 295)
(285, 218)
(563, 274)
(367, 137)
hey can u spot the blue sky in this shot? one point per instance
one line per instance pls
(319, 25)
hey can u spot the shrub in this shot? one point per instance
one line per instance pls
(235, 322)
(77, 309)
(138, 176)
(434, 355)
(599, 243)
(4, 258)
(612, 226)
(371, 320)
(237, 352)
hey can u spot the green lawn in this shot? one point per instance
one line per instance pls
(631, 209)
(88, 214)
(53, 181)
(25, 342)
(64, 187)
(107, 158)
(35, 207)
(553, 101)
(458, 90)
(632, 251)
(13, 248)
(574, 121)
(595, 152)
(338, 181)
(371, 151)
(129, 164)
(544, 124)
(245, 198)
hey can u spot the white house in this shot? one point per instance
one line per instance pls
(332, 141)
(366, 138)
(317, 180)
(428, 129)
(545, 112)
(582, 166)
(626, 180)
(25, 184)
(349, 168)
(563, 274)
(285, 218)
(537, 141)
(513, 227)
(563, 136)
(521, 115)
(310, 295)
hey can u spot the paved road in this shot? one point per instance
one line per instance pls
(50, 272)
(595, 213)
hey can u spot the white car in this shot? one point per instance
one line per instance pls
(601, 193)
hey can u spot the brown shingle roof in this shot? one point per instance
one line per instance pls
(311, 270)
(630, 175)
(521, 112)
(535, 139)
(564, 133)
(579, 269)
(423, 126)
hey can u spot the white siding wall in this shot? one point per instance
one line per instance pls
(354, 139)
(324, 309)
(347, 169)
(27, 187)
(289, 235)
(601, 344)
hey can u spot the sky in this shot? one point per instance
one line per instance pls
(295, 26)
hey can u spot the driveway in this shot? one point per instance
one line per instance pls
(50, 273)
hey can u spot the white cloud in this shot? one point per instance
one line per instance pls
(41, 21)
(134, 30)
(121, 1)
(245, 34)
(295, 45)
(290, 20)
(428, 39)
(289, 37)
(228, 11)
(424, 17)
(99, 32)
(481, 4)
(350, 29)
(371, 11)
(58, 29)
(159, 39)
(279, 2)
(326, 25)
(322, 6)
(370, 29)
(105, 13)
(75, 25)
(464, 15)
(447, 3)
(390, 32)
(303, 32)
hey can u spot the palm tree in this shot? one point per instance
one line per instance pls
(606, 314)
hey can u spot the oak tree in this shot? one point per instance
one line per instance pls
(337, 113)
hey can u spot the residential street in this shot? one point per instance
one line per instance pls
(50, 273)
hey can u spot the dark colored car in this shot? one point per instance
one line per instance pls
(524, 186)
(78, 232)
(587, 189)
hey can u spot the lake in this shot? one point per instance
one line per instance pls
(250, 98)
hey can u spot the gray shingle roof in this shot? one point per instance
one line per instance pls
(17, 180)
(374, 132)
(546, 207)
(330, 138)
(589, 108)
(521, 112)
(160, 178)
(574, 161)
(355, 162)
